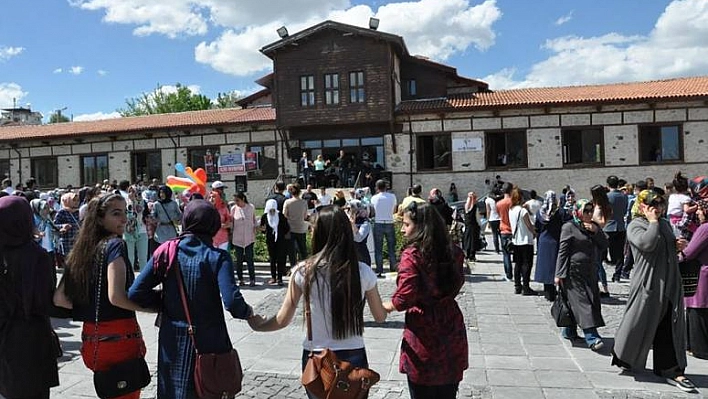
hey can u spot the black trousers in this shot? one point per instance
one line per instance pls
(616, 249)
(447, 391)
(277, 254)
(523, 262)
(665, 363)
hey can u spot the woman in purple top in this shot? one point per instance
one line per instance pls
(697, 305)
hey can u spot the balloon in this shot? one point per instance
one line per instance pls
(195, 181)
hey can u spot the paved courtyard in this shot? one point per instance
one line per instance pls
(515, 349)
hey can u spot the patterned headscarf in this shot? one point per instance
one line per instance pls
(703, 206)
(644, 197)
(578, 210)
(550, 205)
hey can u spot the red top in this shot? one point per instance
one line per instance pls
(503, 207)
(434, 347)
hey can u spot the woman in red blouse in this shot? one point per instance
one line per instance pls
(434, 347)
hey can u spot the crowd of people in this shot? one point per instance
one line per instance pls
(100, 236)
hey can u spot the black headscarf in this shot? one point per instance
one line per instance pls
(201, 219)
(168, 194)
(25, 275)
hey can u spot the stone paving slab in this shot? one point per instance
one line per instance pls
(515, 350)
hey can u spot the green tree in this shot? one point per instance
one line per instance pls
(161, 102)
(227, 100)
(57, 117)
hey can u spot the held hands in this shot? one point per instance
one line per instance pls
(256, 321)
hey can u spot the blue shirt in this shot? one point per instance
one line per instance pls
(618, 203)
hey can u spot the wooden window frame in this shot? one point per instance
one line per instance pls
(487, 148)
(307, 91)
(99, 178)
(40, 182)
(331, 88)
(581, 129)
(422, 150)
(357, 89)
(641, 142)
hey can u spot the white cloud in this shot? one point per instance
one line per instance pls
(8, 52)
(566, 18)
(58, 70)
(76, 70)
(676, 46)
(101, 72)
(236, 51)
(96, 116)
(10, 92)
(167, 17)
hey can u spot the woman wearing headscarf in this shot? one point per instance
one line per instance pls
(435, 198)
(28, 366)
(208, 276)
(167, 213)
(44, 225)
(655, 315)
(67, 220)
(697, 305)
(549, 222)
(276, 227)
(582, 242)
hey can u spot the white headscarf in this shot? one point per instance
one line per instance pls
(273, 217)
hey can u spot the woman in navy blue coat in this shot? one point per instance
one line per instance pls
(549, 222)
(208, 274)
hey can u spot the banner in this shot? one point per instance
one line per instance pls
(232, 163)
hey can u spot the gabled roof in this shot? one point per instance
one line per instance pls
(450, 70)
(244, 102)
(670, 89)
(396, 41)
(181, 120)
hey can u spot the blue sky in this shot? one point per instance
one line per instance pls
(92, 55)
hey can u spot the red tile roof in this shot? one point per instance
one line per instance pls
(181, 120)
(671, 89)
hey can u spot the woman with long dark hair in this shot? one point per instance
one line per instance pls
(337, 286)
(28, 365)
(100, 251)
(601, 215)
(430, 275)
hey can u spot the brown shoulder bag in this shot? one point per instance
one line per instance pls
(327, 377)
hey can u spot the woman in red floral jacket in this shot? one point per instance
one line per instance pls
(430, 275)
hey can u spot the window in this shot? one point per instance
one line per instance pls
(356, 87)
(46, 171)
(267, 162)
(410, 88)
(366, 152)
(660, 143)
(307, 90)
(94, 169)
(147, 166)
(582, 146)
(506, 149)
(206, 158)
(331, 84)
(4, 168)
(434, 151)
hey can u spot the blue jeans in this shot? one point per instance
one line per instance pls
(387, 230)
(357, 357)
(506, 255)
(591, 334)
(601, 273)
(246, 253)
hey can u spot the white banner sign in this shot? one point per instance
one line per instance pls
(469, 144)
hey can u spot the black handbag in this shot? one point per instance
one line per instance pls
(690, 271)
(560, 310)
(121, 378)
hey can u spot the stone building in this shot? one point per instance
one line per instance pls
(339, 87)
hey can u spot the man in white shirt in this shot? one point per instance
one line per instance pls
(325, 199)
(384, 204)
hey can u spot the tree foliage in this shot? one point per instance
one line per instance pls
(162, 102)
(57, 117)
(227, 100)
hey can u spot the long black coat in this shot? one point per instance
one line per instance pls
(578, 258)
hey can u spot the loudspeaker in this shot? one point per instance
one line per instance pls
(295, 153)
(241, 183)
